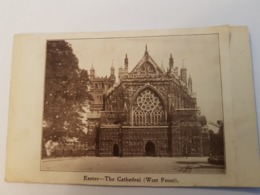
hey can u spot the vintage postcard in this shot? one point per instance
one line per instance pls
(136, 108)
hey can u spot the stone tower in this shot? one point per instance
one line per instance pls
(184, 74)
(190, 84)
(92, 72)
(171, 62)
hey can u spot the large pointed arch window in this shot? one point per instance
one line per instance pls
(147, 109)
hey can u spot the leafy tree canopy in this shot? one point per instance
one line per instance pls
(66, 91)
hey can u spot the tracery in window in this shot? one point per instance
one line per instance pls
(147, 109)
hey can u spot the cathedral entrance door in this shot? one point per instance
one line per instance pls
(150, 149)
(115, 150)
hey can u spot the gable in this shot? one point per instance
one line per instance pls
(146, 67)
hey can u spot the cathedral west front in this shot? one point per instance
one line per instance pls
(148, 112)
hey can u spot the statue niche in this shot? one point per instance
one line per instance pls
(147, 69)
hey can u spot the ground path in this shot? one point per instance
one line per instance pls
(132, 165)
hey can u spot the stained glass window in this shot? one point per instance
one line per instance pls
(147, 109)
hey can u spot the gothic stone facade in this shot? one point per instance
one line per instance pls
(98, 88)
(150, 112)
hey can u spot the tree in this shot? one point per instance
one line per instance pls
(66, 92)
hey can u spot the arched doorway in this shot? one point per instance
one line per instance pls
(115, 150)
(150, 149)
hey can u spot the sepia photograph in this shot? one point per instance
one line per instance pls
(134, 104)
(133, 108)
(140, 97)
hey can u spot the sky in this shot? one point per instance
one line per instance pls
(199, 54)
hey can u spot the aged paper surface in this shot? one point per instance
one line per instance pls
(145, 124)
(247, 154)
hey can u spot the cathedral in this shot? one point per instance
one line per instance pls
(148, 112)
